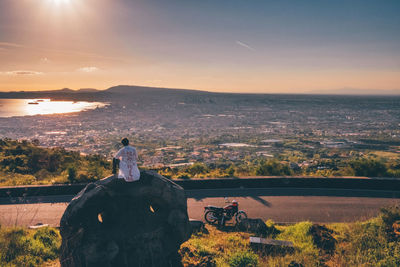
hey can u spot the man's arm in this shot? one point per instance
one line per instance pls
(115, 165)
(116, 161)
(136, 154)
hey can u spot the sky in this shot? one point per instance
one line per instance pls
(257, 46)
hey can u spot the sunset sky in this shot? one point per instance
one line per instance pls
(216, 45)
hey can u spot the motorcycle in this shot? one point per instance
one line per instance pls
(220, 215)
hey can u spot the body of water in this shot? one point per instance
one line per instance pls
(29, 107)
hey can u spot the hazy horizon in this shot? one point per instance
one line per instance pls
(218, 46)
(339, 91)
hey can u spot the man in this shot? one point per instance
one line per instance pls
(128, 157)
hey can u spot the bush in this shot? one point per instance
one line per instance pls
(274, 168)
(13, 243)
(50, 241)
(369, 167)
(243, 259)
(18, 247)
(38, 165)
(197, 168)
(390, 215)
(183, 175)
(272, 230)
(71, 174)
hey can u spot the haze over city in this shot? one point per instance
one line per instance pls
(223, 46)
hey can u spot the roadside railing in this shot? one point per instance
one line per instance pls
(220, 183)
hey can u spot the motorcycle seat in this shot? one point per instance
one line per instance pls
(214, 208)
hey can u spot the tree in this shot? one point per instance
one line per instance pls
(71, 174)
(273, 167)
(197, 168)
(369, 167)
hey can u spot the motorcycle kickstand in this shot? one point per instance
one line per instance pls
(222, 222)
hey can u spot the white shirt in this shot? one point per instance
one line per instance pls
(128, 169)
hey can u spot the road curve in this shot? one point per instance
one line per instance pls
(286, 205)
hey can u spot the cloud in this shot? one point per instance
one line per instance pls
(245, 45)
(21, 72)
(7, 44)
(88, 69)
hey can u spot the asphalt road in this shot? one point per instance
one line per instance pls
(286, 205)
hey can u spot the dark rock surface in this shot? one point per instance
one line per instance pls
(197, 226)
(256, 226)
(115, 223)
(323, 238)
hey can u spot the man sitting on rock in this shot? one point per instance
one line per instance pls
(128, 157)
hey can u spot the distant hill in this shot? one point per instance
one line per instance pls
(87, 90)
(356, 91)
(132, 89)
(125, 93)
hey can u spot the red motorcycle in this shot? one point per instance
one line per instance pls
(214, 215)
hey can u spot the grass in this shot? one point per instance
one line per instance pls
(369, 243)
(364, 244)
(218, 248)
(30, 248)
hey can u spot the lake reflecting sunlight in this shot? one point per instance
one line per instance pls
(29, 107)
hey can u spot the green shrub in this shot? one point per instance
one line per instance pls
(183, 175)
(71, 174)
(390, 215)
(19, 247)
(50, 239)
(300, 235)
(370, 243)
(272, 230)
(369, 167)
(273, 167)
(243, 259)
(13, 243)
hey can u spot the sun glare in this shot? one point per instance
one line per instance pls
(59, 2)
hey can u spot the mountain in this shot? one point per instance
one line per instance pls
(87, 90)
(356, 91)
(129, 93)
(133, 89)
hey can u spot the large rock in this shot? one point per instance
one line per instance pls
(256, 226)
(198, 226)
(323, 238)
(115, 223)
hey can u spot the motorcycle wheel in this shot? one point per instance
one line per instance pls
(210, 217)
(240, 216)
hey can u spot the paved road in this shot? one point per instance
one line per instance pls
(278, 204)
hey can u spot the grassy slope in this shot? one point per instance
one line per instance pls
(369, 243)
(25, 163)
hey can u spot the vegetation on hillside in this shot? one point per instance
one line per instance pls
(24, 162)
(369, 243)
(28, 248)
(367, 166)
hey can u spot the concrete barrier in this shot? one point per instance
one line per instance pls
(214, 183)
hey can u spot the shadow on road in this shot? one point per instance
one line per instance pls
(262, 201)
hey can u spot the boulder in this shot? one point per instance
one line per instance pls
(256, 226)
(197, 226)
(115, 223)
(323, 238)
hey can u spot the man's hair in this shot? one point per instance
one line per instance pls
(125, 141)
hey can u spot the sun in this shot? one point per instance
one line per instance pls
(59, 2)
